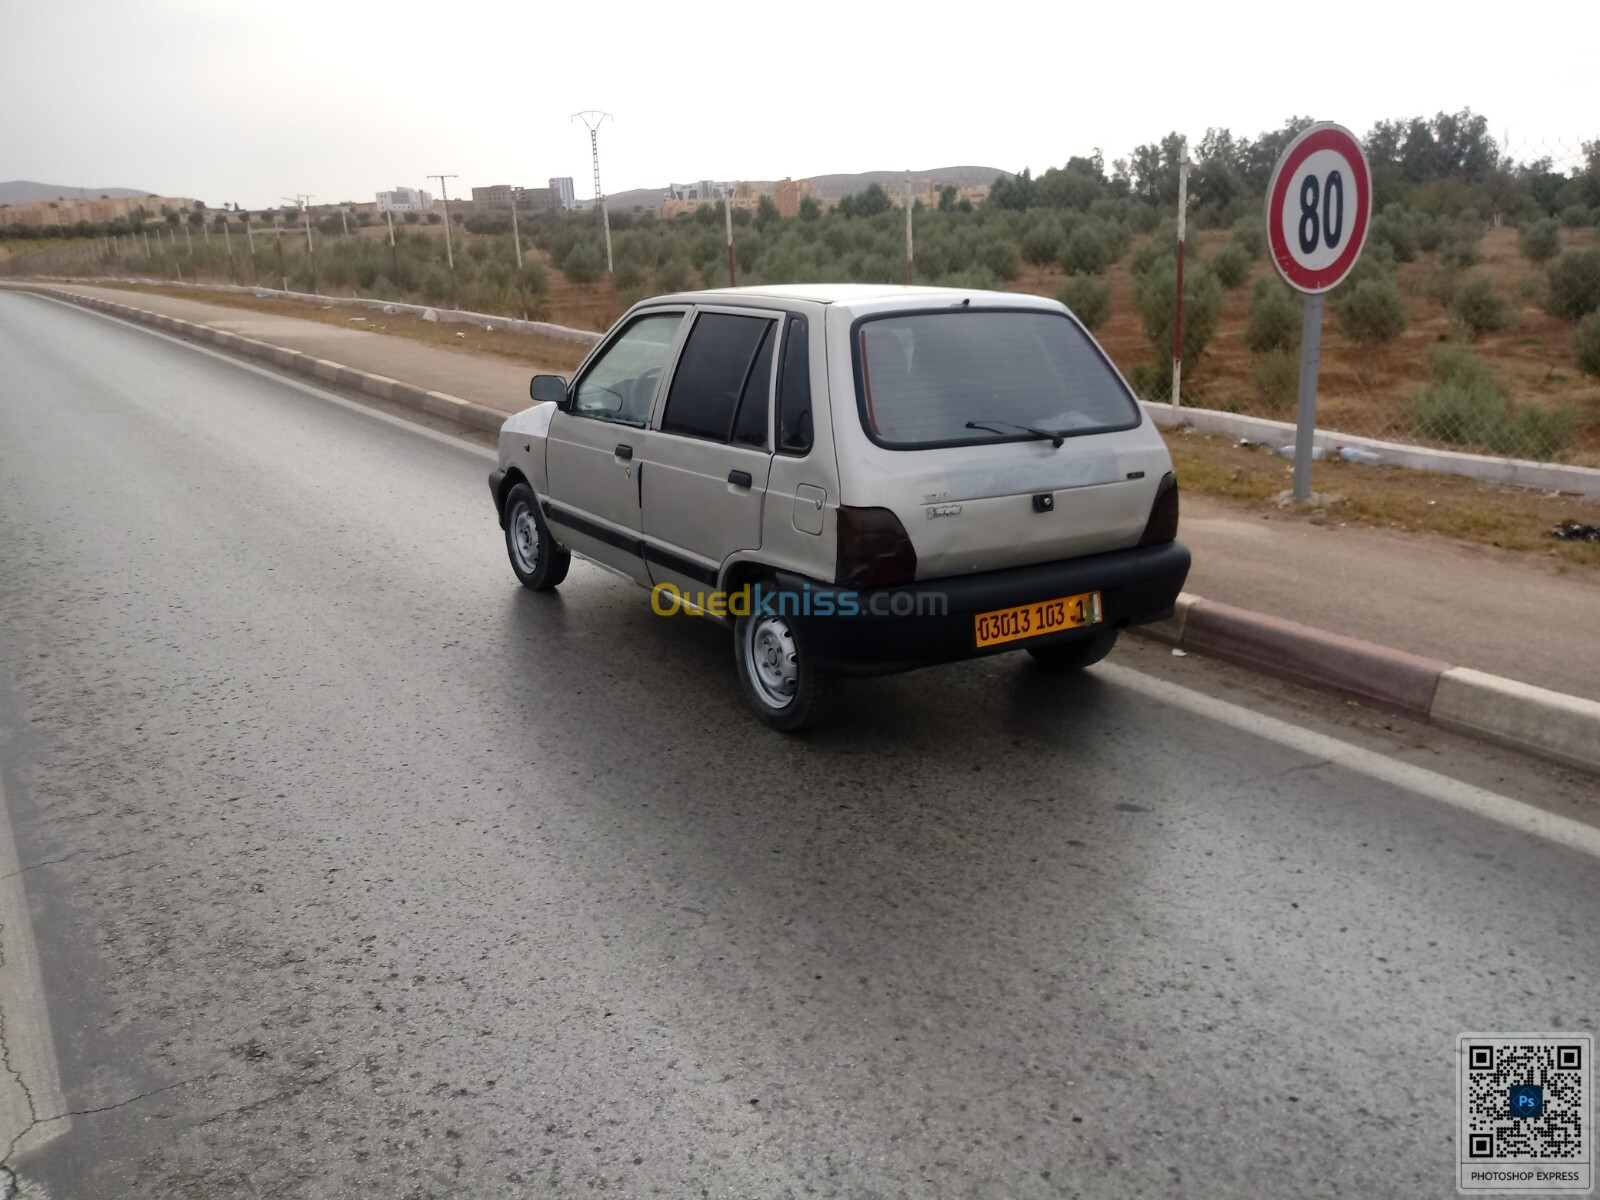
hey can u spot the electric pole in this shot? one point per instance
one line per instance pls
(449, 252)
(311, 250)
(592, 120)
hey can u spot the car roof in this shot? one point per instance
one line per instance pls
(852, 295)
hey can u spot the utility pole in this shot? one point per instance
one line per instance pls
(727, 213)
(592, 120)
(393, 253)
(449, 252)
(305, 215)
(908, 230)
(516, 241)
(1177, 316)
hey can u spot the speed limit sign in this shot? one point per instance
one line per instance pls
(1319, 204)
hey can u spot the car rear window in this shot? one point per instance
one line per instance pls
(922, 377)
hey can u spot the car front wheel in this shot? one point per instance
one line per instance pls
(788, 690)
(540, 564)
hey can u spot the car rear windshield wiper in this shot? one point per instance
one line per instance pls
(1045, 435)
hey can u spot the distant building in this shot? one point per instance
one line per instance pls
(686, 197)
(561, 185)
(789, 192)
(404, 200)
(64, 211)
(538, 200)
(490, 199)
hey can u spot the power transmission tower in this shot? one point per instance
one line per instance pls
(593, 119)
(449, 253)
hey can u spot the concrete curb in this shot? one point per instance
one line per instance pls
(1550, 725)
(438, 404)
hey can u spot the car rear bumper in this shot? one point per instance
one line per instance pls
(883, 630)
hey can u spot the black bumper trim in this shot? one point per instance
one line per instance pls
(1136, 587)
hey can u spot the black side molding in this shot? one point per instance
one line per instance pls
(604, 533)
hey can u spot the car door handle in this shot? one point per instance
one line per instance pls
(623, 451)
(740, 478)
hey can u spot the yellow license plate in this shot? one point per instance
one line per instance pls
(1032, 620)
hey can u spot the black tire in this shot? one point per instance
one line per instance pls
(1066, 657)
(785, 688)
(539, 563)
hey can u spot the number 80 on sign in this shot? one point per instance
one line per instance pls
(1319, 205)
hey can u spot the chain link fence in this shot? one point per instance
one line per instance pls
(1472, 321)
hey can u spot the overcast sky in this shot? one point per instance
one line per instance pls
(251, 101)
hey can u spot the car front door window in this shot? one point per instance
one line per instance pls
(622, 382)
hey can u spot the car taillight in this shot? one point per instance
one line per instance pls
(874, 550)
(1163, 523)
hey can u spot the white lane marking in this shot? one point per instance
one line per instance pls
(444, 439)
(30, 1081)
(1514, 814)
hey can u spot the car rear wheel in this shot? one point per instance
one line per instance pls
(1075, 655)
(787, 690)
(540, 564)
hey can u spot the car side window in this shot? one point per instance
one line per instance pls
(622, 381)
(794, 390)
(714, 371)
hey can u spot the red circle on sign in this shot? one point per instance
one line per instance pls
(1341, 141)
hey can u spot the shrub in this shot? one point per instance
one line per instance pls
(435, 286)
(412, 218)
(1575, 216)
(1275, 318)
(672, 274)
(1089, 250)
(1459, 250)
(1480, 308)
(1586, 344)
(1088, 298)
(629, 274)
(1231, 265)
(1042, 244)
(435, 219)
(1249, 233)
(1467, 405)
(1430, 232)
(1394, 228)
(1372, 312)
(978, 278)
(582, 264)
(1276, 378)
(1574, 285)
(1156, 292)
(999, 257)
(1539, 239)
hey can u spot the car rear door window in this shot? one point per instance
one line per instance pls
(794, 389)
(713, 373)
(750, 426)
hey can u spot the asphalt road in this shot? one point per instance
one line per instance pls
(355, 870)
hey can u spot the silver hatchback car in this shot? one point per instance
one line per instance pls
(859, 479)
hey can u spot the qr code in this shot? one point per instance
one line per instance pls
(1525, 1113)
(1527, 1100)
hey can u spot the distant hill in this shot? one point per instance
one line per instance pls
(24, 191)
(830, 186)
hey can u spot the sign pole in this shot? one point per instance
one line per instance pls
(1306, 420)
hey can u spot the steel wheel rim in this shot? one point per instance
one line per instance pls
(524, 532)
(772, 661)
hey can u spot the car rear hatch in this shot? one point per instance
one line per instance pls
(999, 437)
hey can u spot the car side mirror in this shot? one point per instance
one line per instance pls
(549, 389)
